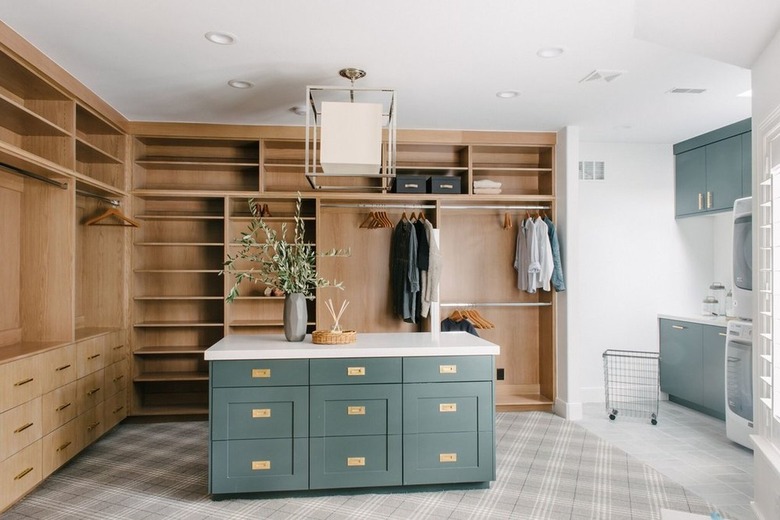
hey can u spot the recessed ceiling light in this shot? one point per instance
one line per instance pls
(299, 110)
(747, 93)
(240, 83)
(220, 38)
(506, 94)
(550, 52)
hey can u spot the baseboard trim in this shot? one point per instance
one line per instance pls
(570, 411)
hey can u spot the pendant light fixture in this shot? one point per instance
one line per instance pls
(345, 126)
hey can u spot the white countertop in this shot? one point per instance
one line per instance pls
(376, 344)
(718, 321)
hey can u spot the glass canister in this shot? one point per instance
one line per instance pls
(718, 291)
(709, 306)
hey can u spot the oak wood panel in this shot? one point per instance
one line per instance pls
(59, 446)
(19, 474)
(57, 367)
(90, 425)
(116, 376)
(10, 258)
(91, 355)
(59, 406)
(90, 391)
(20, 427)
(21, 382)
(115, 409)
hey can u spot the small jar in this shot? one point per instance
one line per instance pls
(718, 291)
(709, 306)
(730, 313)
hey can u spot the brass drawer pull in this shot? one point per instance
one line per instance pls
(63, 367)
(93, 356)
(93, 426)
(678, 327)
(448, 369)
(20, 383)
(448, 457)
(356, 461)
(22, 474)
(120, 346)
(448, 407)
(356, 410)
(63, 446)
(118, 378)
(722, 334)
(261, 413)
(261, 372)
(22, 428)
(701, 204)
(93, 391)
(118, 410)
(356, 371)
(260, 465)
(61, 407)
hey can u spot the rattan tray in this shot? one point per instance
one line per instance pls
(327, 337)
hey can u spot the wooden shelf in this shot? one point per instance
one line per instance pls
(89, 153)
(164, 350)
(175, 298)
(23, 121)
(154, 324)
(164, 244)
(173, 271)
(178, 217)
(202, 164)
(170, 376)
(169, 410)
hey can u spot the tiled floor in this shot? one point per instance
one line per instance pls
(689, 447)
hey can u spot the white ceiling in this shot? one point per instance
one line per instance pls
(446, 59)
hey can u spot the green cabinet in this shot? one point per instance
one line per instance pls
(712, 170)
(692, 365)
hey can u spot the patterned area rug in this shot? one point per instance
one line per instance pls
(548, 468)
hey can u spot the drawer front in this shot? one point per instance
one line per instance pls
(272, 372)
(448, 407)
(448, 368)
(355, 410)
(20, 381)
(90, 355)
(20, 427)
(90, 426)
(116, 349)
(239, 466)
(58, 367)
(59, 447)
(355, 371)
(437, 458)
(20, 474)
(114, 409)
(361, 461)
(90, 391)
(115, 377)
(267, 413)
(59, 406)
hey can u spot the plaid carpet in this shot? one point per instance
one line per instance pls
(548, 468)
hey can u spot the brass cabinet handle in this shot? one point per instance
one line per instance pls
(722, 334)
(93, 356)
(61, 407)
(356, 461)
(118, 347)
(261, 413)
(448, 457)
(356, 371)
(23, 473)
(701, 201)
(63, 367)
(93, 391)
(261, 372)
(22, 428)
(679, 327)
(93, 426)
(356, 410)
(260, 465)
(20, 383)
(117, 378)
(709, 199)
(448, 407)
(118, 410)
(63, 446)
(448, 369)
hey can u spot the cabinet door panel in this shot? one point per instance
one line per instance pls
(260, 413)
(450, 407)
(681, 356)
(355, 410)
(436, 458)
(360, 461)
(713, 370)
(724, 172)
(259, 465)
(690, 181)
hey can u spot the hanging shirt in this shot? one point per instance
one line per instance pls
(557, 274)
(521, 256)
(543, 255)
(430, 280)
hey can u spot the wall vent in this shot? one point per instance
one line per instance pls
(687, 90)
(602, 75)
(592, 171)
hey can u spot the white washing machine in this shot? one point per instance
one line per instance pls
(739, 382)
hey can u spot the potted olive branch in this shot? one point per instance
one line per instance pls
(277, 263)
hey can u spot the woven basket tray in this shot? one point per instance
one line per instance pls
(326, 337)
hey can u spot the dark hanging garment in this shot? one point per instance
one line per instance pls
(404, 275)
(448, 325)
(423, 255)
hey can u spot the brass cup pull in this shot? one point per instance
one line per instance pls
(93, 426)
(93, 356)
(356, 461)
(448, 407)
(22, 428)
(261, 413)
(22, 474)
(261, 373)
(20, 383)
(261, 465)
(356, 410)
(63, 367)
(448, 457)
(63, 446)
(61, 407)
(448, 369)
(356, 371)
(722, 334)
(93, 391)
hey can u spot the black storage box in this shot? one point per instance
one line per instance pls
(444, 184)
(410, 184)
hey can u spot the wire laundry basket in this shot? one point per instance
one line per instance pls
(631, 383)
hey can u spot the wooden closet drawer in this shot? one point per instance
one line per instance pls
(91, 355)
(20, 427)
(20, 474)
(90, 426)
(90, 391)
(116, 350)
(59, 447)
(115, 409)
(115, 378)
(59, 407)
(20, 381)
(58, 368)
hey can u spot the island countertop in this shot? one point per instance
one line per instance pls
(369, 344)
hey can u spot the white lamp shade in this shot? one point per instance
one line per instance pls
(351, 138)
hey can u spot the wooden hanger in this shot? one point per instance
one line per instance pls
(421, 216)
(112, 212)
(385, 219)
(507, 221)
(370, 219)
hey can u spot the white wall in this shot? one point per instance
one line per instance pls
(634, 259)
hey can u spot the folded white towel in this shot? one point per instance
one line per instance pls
(487, 191)
(486, 183)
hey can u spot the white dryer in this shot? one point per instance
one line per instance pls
(739, 382)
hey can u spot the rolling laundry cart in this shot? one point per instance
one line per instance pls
(631, 383)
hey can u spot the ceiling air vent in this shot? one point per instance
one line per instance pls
(687, 90)
(592, 171)
(602, 75)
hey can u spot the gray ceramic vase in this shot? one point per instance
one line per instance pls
(295, 317)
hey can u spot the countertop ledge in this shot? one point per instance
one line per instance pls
(717, 321)
(370, 344)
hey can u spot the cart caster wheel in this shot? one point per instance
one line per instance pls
(611, 417)
(653, 422)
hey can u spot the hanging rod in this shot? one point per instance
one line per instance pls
(19, 171)
(527, 207)
(498, 304)
(380, 206)
(113, 202)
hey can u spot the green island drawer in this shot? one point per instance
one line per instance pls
(260, 372)
(259, 465)
(351, 371)
(355, 410)
(438, 458)
(359, 461)
(448, 368)
(453, 407)
(260, 413)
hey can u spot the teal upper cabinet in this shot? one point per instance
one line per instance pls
(712, 170)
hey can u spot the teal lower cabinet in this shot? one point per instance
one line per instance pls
(355, 461)
(240, 466)
(438, 458)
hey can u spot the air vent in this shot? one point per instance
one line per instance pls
(603, 75)
(592, 171)
(687, 91)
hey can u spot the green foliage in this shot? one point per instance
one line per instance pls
(275, 262)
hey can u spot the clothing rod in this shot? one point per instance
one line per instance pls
(113, 202)
(19, 171)
(391, 206)
(496, 207)
(497, 304)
